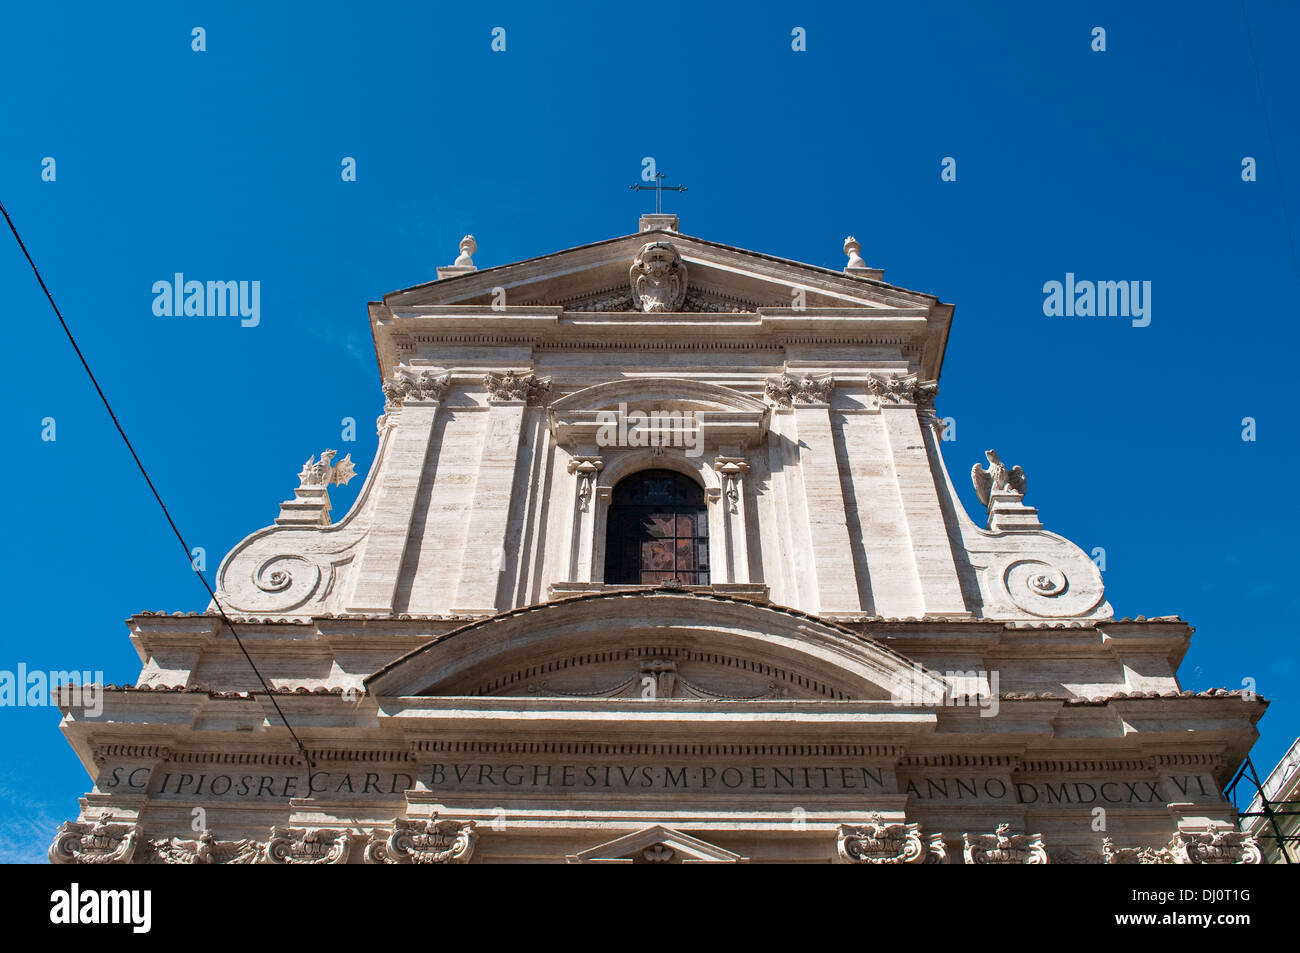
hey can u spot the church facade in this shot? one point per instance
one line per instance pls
(659, 561)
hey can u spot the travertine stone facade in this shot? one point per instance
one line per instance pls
(871, 675)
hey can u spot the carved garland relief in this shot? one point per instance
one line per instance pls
(407, 842)
(435, 841)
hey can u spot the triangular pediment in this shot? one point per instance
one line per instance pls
(622, 293)
(720, 278)
(656, 845)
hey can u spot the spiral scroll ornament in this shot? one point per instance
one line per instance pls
(1045, 589)
(293, 580)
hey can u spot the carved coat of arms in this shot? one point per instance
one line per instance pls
(658, 278)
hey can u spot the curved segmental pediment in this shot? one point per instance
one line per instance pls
(723, 415)
(657, 644)
(700, 394)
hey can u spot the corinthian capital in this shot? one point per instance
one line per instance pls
(513, 386)
(785, 391)
(427, 386)
(906, 389)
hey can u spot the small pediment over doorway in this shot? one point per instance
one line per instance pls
(656, 845)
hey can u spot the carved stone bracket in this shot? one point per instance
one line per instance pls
(102, 842)
(1003, 847)
(785, 391)
(732, 471)
(291, 846)
(586, 468)
(516, 386)
(423, 842)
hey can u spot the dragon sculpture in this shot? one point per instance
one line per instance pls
(326, 471)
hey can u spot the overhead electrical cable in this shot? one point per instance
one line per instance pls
(145, 473)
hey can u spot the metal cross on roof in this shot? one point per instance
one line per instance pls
(659, 190)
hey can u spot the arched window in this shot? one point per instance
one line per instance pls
(658, 530)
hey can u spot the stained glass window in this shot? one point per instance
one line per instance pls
(657, 531)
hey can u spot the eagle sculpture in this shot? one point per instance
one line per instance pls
(206, 850)
(996, 477)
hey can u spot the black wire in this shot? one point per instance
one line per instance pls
(125, 439)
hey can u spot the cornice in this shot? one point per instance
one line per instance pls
(692, 748)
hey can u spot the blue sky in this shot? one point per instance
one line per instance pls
(225, 164)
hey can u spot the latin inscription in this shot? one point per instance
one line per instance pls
(483, 776)
(1093, 791)
(624, 777)
(632, 778)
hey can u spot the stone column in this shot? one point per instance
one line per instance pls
(790, 538)
(412, 409)
(586, 497)
(486, 539)
(832, 554)
(834, 578)
(719, 548)
(837, 584)
(931, 548)
(595, 562)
